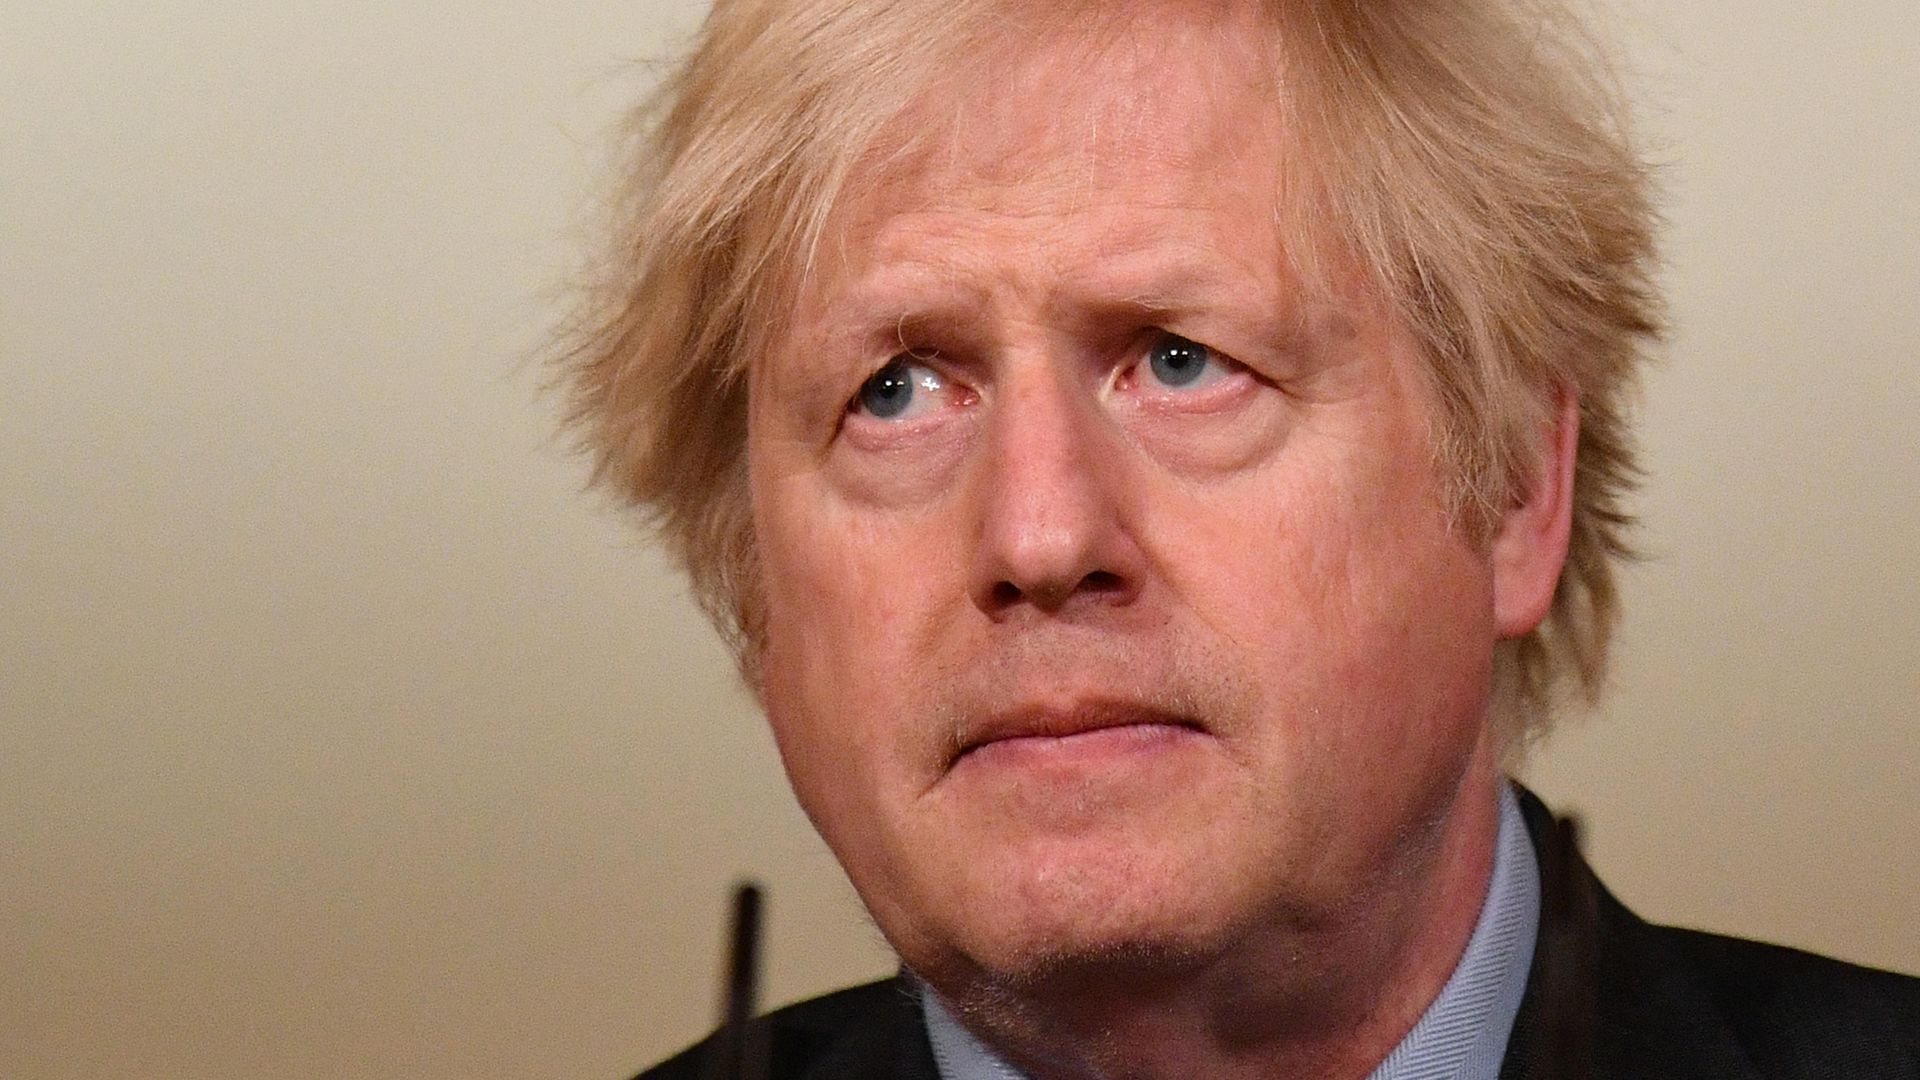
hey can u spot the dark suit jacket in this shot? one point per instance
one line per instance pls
(1609, 997)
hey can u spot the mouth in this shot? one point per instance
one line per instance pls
(1100, 721)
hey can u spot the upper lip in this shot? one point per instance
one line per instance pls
(1058, 721)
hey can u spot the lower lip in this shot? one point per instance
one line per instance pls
(1102, 745)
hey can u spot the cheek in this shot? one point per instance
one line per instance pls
(1367, 630)
(848, 608)
(839, 587)
(1341, 578)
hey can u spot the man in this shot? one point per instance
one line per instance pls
(1155, 462)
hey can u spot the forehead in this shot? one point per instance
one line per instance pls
(1135, 135)
(1087, 105)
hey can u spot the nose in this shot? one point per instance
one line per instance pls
(1053, 491)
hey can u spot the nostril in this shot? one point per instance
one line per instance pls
(1099, 583)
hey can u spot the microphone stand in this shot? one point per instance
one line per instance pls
(739, 1050)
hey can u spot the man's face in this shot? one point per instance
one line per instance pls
(1112, 607)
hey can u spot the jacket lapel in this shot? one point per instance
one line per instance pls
(1605, 999)
(889, 1043)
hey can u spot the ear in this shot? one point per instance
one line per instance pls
(1530, 546)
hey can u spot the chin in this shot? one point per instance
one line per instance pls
(1068, 926)
(1059, 963)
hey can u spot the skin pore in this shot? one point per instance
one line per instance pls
(1117, 638)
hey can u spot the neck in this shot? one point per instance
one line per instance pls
(1327, 1000)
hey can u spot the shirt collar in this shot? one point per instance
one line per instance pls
(1461, 1036)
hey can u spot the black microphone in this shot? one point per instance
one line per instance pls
(739, 1049)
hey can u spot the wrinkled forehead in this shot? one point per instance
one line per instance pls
(1044, 110)
(1140, 86)
(1114, 106)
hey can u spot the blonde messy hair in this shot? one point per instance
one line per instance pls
(1467, 157)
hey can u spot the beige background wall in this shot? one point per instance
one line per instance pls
(340, 736)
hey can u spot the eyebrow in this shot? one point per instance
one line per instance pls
(1270, 309)
(886, 303)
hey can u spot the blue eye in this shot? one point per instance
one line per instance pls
(1178, 362)
(898, 390)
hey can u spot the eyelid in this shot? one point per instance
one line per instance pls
(1222, 364)
(932, 387)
